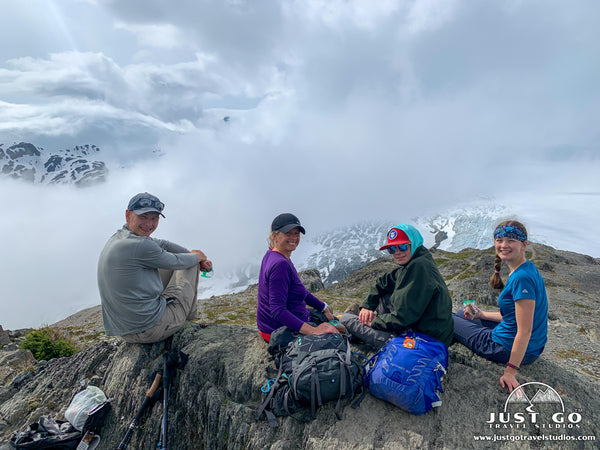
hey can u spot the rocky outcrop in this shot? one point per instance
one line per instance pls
(312, 280)
(214, 399)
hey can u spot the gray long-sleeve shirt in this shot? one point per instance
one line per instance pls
(129, 282)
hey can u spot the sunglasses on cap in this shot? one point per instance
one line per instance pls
(401, 247)
(148, 203)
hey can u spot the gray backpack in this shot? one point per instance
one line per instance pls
(314, 370)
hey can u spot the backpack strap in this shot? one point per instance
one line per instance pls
(343, 369)
(279, 379)
(364, 370)
(315, 391)
(345, 376)
(286, 400)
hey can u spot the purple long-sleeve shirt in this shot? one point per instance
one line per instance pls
(282, 298)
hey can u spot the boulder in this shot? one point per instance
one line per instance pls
(4, 337)
(13, 362)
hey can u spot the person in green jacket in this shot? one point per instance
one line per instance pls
(413, 296)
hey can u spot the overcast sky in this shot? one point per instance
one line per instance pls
(338, 111)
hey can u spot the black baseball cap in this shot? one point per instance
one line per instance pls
(286, 222)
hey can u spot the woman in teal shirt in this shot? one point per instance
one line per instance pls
(516, 334)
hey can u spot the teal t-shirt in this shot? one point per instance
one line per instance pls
(524, 283)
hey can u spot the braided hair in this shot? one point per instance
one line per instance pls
(512, 229)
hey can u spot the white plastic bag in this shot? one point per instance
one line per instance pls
(82, 403)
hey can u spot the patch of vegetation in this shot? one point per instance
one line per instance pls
(32, 404)
(465, 274)
(440, 261)
(463, 254)
(582, 330)
(589, 372)
(94, 336)
(47, 343)
(583, 306)
(573, 353)
(52, 404)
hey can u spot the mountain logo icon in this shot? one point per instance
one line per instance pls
(534, 393)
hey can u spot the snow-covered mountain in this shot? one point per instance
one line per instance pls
(339, 252)
(78, 165)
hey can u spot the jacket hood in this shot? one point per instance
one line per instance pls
(416, 240)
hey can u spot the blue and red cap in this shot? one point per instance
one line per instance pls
(396, 237)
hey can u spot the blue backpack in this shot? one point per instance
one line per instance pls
(408, 371)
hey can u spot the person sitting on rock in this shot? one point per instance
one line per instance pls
(148, 287)
(517, 334)
(282, 298)
(412, 296)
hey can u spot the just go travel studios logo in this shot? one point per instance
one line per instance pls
(534, 405)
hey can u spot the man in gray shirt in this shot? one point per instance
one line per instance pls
(148, 287)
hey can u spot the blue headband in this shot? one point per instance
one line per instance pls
(510, 232)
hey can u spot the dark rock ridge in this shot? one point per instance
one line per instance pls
(77, 166)
(214, 398)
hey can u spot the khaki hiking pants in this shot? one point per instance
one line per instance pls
(181, 293)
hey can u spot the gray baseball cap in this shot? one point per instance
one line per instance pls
(145, 202)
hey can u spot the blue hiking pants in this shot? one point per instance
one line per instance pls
(476, 334)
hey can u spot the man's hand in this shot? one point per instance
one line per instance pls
(366, 316)
(205, 263)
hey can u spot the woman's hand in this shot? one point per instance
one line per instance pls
(366, 316)
(478, 314)
(324, 328)
(508, 380)
(328, 314)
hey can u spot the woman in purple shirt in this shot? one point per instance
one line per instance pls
(282, 298)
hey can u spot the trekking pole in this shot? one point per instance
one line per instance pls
(173, 360)
(162, 444)
(152, 395)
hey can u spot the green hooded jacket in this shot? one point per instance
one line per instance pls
(419, 297)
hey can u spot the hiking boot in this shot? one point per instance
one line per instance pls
(354, 308)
